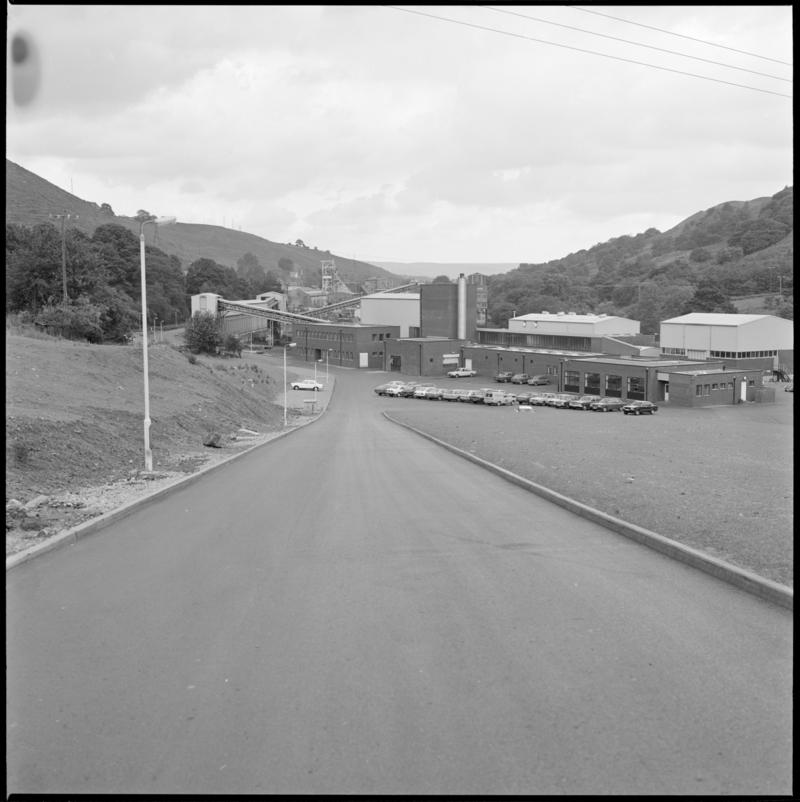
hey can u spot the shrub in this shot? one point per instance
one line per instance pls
(78, 320)
(202, 333)
(192, 359)
(231, 345)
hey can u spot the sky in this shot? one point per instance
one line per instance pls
(446, 133)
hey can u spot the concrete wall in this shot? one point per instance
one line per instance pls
(401, 310)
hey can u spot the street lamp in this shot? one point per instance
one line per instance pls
(158, 221)
(285, 398)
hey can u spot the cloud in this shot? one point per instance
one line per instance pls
(359, 127)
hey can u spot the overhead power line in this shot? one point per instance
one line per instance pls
(680, 35)
(589, 52)
(639, 44)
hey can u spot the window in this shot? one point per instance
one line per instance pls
(614, 386)
(698, 389)
(636, 388)
(706, 389)
(714, 386)
(572, 381)
(591, 383)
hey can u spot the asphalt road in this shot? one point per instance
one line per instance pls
(352, 609)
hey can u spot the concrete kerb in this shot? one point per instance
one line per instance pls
(94, 525)
(742, 579)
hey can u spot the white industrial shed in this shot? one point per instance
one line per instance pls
(706, 335)
(392, 308)
(570, 324)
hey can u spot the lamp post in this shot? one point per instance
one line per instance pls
(158, 221)
(285, 398)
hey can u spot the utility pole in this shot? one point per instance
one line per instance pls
(63, 218)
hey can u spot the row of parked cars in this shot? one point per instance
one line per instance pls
(522, 378)
(494, 397)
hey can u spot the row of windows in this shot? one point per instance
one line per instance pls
(743, 354)
(723, 354)
(375, 336)
(330, 336)
(706, 389)
(592, 384)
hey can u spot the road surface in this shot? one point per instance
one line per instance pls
(352, 609)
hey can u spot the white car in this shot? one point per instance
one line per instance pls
(307, 384)
(461, 372)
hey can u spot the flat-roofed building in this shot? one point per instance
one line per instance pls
(764, 342)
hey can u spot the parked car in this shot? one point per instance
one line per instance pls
(540, 399)
(396, 390)
(472, 396)
(407, 390)
(434, 393)
(607, 405)
(504, 376)
(461, 372)
(452, 394)
(307, 384)
(583, 402)
(382, 388)
(422, 390)
(541, 379)
(520, 378)
(639, 408)
(499, 398)
(523, 398)
(559, 400)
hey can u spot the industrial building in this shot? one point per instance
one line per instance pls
(762, 342)
(449, 310)
(661, 380)
(351, 345)
(604, 334)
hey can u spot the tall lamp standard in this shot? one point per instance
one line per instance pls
(143, 219)
(285, 398)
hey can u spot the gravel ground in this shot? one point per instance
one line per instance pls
(718, 479)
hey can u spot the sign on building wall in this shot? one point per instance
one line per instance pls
(450, 359)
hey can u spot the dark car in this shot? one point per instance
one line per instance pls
(520, 378)
(541, 379)
(503, 376)
(639, 408)
(607, 405)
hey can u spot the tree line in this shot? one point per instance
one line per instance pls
(103, 281)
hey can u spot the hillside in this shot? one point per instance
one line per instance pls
(31, 200)
(429, 270)
(47, 405)
(737, 248)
